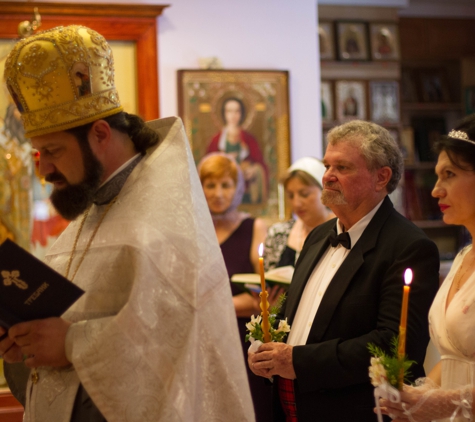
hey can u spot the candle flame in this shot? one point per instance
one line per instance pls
(261, 249)
(408, 276)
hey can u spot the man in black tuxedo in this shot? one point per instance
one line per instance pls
(344, 296)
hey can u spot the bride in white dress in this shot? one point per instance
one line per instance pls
(447, 394)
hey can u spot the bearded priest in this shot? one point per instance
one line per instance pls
(154, 336)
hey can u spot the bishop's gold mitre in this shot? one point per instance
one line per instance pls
(62, 78)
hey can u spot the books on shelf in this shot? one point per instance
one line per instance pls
(419, 203)
(251, 281)
(427, 131)
(30, 289)
(407, 145)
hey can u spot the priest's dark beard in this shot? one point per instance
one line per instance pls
(72, 200)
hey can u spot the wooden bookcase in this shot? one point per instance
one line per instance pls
(364, 72)
(431, 51)
(432, 103)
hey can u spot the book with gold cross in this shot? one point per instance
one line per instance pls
(30, 289)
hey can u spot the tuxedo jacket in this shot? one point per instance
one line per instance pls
(361, 305)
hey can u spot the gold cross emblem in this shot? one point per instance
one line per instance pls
(10, 278)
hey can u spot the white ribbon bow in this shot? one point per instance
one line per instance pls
(388, 392)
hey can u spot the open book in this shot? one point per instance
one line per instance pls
(30, 289)
(280, 275)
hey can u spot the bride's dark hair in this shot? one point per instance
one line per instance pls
(461, 152)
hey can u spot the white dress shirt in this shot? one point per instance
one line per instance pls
(320, 279)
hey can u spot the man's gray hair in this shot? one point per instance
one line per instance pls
(377, 146)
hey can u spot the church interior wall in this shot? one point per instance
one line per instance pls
(268, 34)
(249, 34)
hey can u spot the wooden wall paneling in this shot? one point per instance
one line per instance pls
(436, 39)
(413, 39)
(137, 23)
(468, 71)
(448, 38)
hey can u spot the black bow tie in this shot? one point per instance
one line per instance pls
(343, 238)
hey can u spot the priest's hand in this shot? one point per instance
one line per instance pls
(273, 359)
(42, 341)
(10, 352)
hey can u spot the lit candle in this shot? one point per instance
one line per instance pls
(403, 324)
(264, 303)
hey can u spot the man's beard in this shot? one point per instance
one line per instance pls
(72, 200)
(331, 197)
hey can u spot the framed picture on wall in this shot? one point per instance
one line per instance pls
(433, 85)
(384, 41)
(350, 100)
(326, 96)
(385, 104)
(326, 41)
(352, 40)
(217, 104)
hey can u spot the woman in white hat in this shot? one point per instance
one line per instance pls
(303, 189)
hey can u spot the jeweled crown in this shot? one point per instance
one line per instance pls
(460, 134)
(62, 78)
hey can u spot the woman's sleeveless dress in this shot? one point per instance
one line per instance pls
(453, 331)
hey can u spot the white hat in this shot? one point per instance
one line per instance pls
(312, 166)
